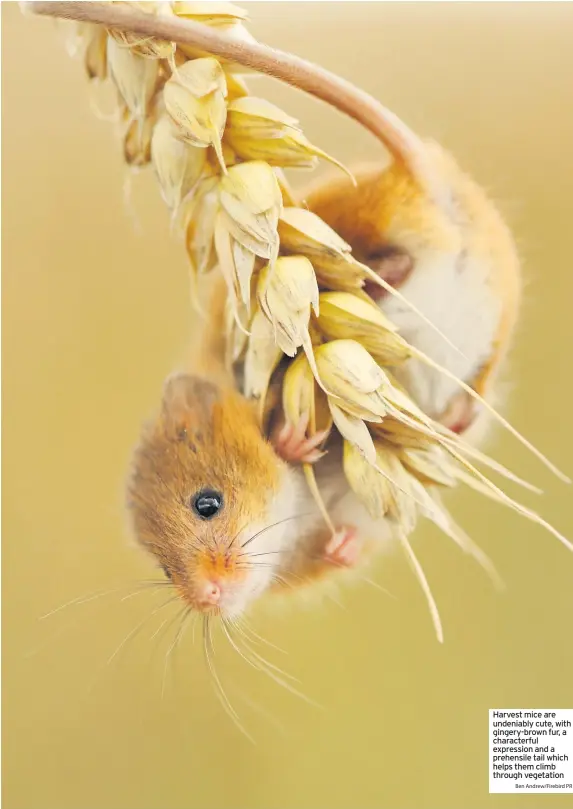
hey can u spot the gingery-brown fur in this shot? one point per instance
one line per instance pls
(385, 205)
(204, 436)
(387, 209)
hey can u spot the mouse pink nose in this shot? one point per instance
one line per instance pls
(210, 593)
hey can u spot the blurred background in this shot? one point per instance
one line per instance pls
(96, 313)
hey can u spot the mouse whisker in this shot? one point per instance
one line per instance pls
(71, 625)
(100, 594)
(261, 659)
(236, 647)
(246, 566)
(365, 579)
(285, 582)
(245, 627)
(126, 639)
(281, 580)
(253, 555)
(219, 690)
(158, 632)
(226, 625)
(232, 542)
(182, 616)
(377, 586)
(254, 706)
(260, 665)
(194, 627)
(275, 524)
(138, 627)
(169, 620)
(158, 585)
(288, 583)
(269, 669)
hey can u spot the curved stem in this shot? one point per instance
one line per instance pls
(404, 145)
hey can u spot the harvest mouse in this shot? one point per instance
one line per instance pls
(225, 510)
(218, 504)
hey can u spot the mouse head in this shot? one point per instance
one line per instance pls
(204, 496)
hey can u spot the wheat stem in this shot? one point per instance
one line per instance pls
(404, 145)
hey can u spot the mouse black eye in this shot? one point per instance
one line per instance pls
(167, 573)
(207, 503)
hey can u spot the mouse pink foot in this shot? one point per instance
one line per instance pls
(460, 414)
(343, 548)
(291, 444)
(391, 265)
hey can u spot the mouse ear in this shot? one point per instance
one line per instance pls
(187, 399)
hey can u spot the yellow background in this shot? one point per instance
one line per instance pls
(96, 313)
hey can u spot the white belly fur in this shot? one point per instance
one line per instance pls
(453, 293)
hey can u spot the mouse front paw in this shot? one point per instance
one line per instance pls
(292, 445)
(343, 548)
